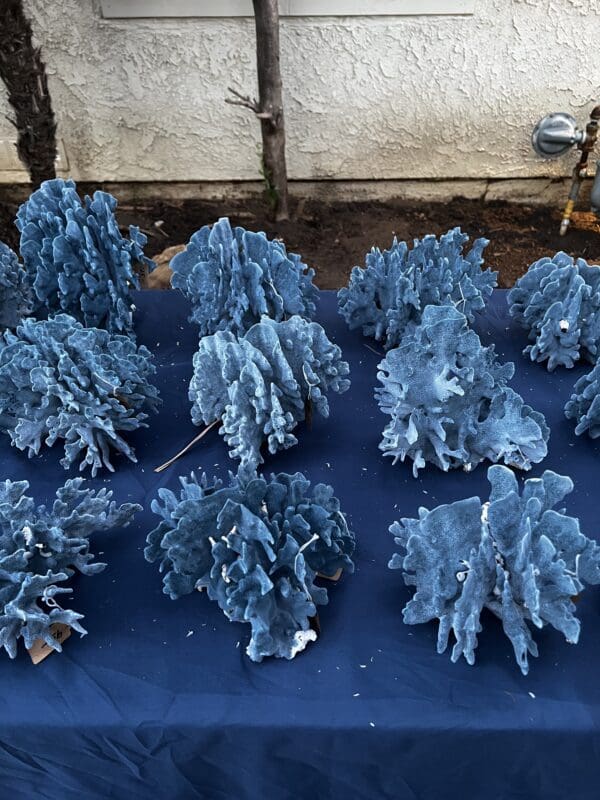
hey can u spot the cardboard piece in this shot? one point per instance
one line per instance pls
(39, 650)
(335, 577)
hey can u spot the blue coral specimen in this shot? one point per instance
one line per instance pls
(449, 403)
(584, 404)
(396, 286)
(76, 259)
(233, 277)
(59, 380)
(41, 549)
(15, 293)
(558, 302)
(516, 556)
(259, 385)
(256, 546)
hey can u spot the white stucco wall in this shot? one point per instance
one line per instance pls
(379, 97)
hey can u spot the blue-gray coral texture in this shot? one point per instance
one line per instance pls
(259, 385)
(83, 386)
(233, 277)
(256, 546)
(516, 555)
(15, 292)
(41, 549)
(393, 289)
(584, 404)
(449, 402)
(76, 259)
(558, 302)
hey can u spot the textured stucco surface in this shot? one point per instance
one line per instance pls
(366, 98)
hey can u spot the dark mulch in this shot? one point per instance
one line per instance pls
(8, 233)
(333, 237)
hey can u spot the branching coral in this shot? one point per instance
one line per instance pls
(584, 404)
(259, 385)
(558, 302)
(233, 277)
(76, 259)
(516, 556)
(41, 549)
(15, 294)
(449, 402)
(396, 286)
(59, 380)
(256, 546)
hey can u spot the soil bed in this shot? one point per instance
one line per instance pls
(333, 237)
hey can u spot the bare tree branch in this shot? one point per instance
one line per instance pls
(269, 106)
(242, 100)
(270, 94)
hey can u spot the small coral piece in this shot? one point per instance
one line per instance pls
(259, 385)
(449, 402)
(233, 277)
(558, 302)
(59, 380)
(516, 556)
(42, 548)
(15, 294)
(584, 405)
(395, 286)
(76, 259)
(256, 546)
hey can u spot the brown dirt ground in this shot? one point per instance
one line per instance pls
(333, 237)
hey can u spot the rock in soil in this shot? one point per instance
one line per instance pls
(160, 278)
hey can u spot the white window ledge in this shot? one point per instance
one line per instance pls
(125, 9)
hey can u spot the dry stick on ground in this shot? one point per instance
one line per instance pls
(187, 447)
(24, 75)
(269, 106)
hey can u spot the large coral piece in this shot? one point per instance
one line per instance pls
(233, 277)
(516, 556)
(76, 259)
(584, 404)
(15, 293)
(41, 549)
(449, 403)
(558, 302)
(396, 285)
(85, 386)
(259, 385)
(256, 546)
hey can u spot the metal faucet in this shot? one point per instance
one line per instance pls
(555, 135)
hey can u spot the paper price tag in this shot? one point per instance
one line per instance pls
(39, 650)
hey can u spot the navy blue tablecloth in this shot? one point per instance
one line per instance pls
(159, 700)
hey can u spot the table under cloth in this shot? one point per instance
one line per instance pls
(160, 701)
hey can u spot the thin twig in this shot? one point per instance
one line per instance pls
(242, 100)
(246, 101)
(125, 229)
(372, 349)
(187, 447)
